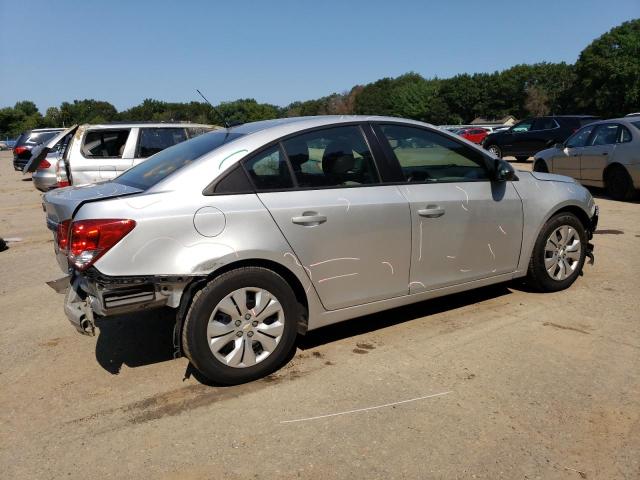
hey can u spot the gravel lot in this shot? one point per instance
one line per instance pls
(539, 386)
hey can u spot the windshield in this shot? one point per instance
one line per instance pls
(164, 163)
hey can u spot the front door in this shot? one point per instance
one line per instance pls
(465, 227)
(350, 234)
(566, 161)
(518, 138)
(598, 152)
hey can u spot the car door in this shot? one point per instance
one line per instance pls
(350, 233)
(566, 160)
(103, 154)
(516, 138)
(540, 135)
(464, 226)
(600, 147)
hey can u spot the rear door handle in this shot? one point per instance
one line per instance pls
(309, 219)
(605, 153)
(432, 211)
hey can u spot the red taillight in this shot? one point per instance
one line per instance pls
(62, 235)
(63, 183)
(44, 164)
(90, 239)
(61, 175)
(19, 150)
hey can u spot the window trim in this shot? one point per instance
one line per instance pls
(620, 130)
(544, 129)
(389, 153)
(91, 130)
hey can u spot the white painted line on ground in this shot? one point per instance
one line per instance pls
(367, 408)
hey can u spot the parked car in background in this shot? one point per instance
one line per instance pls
(27, 141)
(531, 135)
(473, 134)
(601, 154)
(50, 172)
(101, 152)
(259, 232)
(7, 144)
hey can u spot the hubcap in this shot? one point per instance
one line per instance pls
(495, 151)
(562, 252)
(245, 327)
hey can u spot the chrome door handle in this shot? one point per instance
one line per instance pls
(431, 211)
(311, 219)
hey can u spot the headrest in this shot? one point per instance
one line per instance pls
(338, 158)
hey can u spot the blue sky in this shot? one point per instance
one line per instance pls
(275, 51)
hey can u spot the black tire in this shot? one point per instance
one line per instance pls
(537, 276)
(194, 333)
(540, 166)
(521, 158)
(618, 183)
(495, 150)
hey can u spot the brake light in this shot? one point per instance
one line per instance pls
(44, 164)
(90, 239)
(61, 175)
(62, 235)
(19, 150)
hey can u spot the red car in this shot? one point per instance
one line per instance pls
(473, 134)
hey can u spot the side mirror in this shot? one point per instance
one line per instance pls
(559, 146)
(503, 171)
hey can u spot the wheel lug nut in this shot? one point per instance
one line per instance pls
(254, 323)
(239, 334)
(238, 322)
(249, 334)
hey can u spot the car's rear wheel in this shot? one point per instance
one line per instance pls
(540, 166)
(618, 183)
(495, 150)
(241, 326)
(558, 254)
(521, 158)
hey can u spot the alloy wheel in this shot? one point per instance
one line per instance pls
(562, 252)
(245, 327)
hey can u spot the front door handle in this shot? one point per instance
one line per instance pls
(309, 219)
(605, 153)
(432, 211)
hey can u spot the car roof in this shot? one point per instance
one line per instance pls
(144, 124)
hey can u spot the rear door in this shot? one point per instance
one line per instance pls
(464, 227)
(102, 154)
(350, 233)
(541, 134)
(599, 148)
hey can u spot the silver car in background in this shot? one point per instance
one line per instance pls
(95, 153)
(263, 231)
(602, 154)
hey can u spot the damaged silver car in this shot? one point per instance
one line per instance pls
(260, 232)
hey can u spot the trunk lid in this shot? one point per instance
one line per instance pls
(41, 151)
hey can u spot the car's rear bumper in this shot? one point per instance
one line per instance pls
(44, 181)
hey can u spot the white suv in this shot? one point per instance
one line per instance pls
(101, 152)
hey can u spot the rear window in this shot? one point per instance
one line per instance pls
(34, 138)
(162, 164)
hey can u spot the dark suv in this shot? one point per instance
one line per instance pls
(529, 136)
(28, 140)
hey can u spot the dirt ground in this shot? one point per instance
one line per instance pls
(534, 386)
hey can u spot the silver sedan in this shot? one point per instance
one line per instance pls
(601, 154)
(261, 232)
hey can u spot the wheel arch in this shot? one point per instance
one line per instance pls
(537, 160)
(199, 283)
(610, 167)
(578, 212)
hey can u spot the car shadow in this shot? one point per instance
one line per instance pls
(135, 340)
(600, 193)
(395, 316)
(146, 338)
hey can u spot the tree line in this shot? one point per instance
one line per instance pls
(604, 81)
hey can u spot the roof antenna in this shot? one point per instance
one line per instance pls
(224, 120)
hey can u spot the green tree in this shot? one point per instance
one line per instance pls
(608, 72)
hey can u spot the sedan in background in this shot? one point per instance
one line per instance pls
(474, 134)
(602, 154)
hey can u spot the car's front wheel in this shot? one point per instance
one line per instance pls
(495, 150)
(241, 326)
(558, 254)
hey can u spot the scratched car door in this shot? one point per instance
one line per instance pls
(465, 227)
(350, 234)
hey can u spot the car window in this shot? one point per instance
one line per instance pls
(579, 139)
(523, 126)
(268, 170)
(624, 135)
(544, 123)
(426, 156)
(636, 124)
(105, 143)
(35, 138)
(146, 174)
(195, 131)
(154, 140)
(605, 134)
(332, 157)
